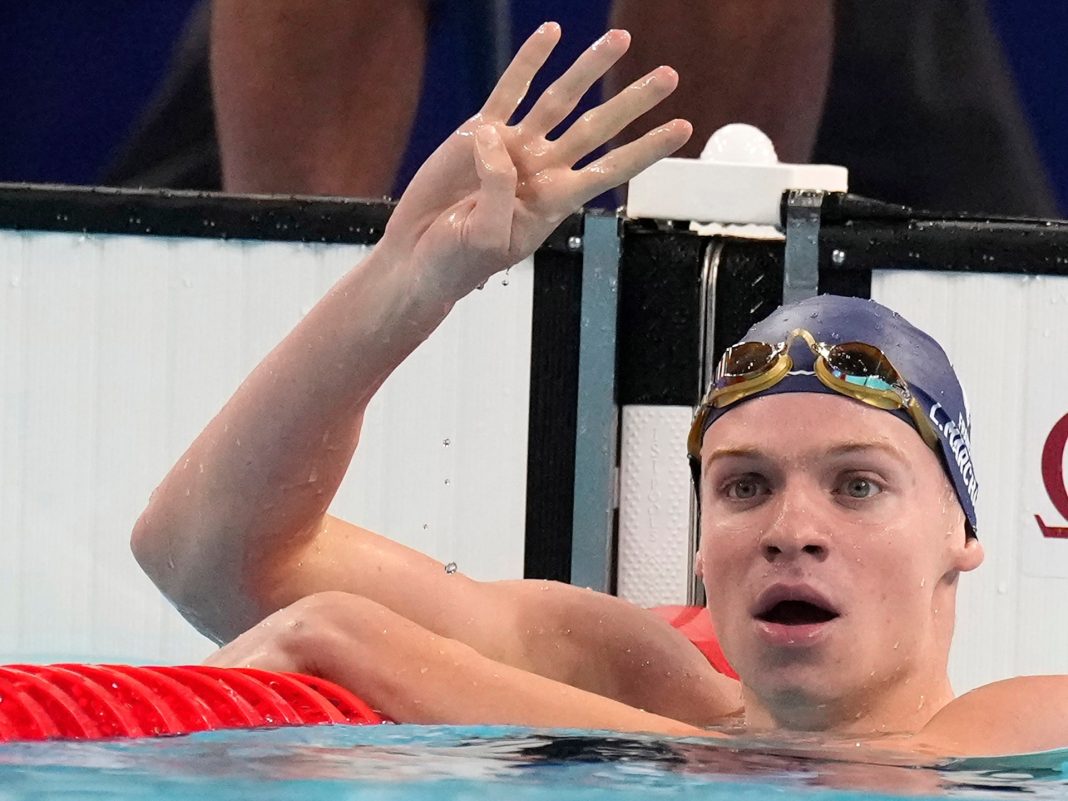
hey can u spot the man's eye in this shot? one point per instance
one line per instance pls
(745, 488)
(860, 488)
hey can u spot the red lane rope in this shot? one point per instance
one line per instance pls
(40, 702)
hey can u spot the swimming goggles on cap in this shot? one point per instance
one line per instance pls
(855, 369)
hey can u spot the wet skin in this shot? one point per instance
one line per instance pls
(822, 500)
(243, 544)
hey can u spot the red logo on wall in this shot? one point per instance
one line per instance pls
(1053, 477)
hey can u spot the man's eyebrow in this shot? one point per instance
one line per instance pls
(726, 453)
(839, 449)
(847, 448)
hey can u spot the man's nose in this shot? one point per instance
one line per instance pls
(798, 530)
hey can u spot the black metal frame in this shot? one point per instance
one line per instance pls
(554, 360)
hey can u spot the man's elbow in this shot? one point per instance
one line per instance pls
(162, 553)
(145, 543)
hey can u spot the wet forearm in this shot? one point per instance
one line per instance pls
(263, 472)
(415, 676)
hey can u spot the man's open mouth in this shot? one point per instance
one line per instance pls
(794, 605)
(796, 613)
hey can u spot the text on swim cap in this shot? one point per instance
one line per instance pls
(956, 436)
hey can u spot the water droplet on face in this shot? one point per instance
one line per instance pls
(450, 568)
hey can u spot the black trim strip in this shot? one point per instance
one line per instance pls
(554, 362)
(859, 234)
(96, 210)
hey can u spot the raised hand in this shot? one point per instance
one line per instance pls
(493, 191)
(250, 532)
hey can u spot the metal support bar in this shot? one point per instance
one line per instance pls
(597, 414)
(801, 270)
(695, 592)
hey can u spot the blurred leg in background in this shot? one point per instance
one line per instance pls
(915, 97)
(304, 96)
(763, 62)
(315, 97)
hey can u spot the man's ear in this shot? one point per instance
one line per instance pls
(969, 555)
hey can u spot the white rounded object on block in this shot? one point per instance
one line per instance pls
(739, 143)
(738, 179)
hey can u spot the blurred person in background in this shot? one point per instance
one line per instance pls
(915, 97)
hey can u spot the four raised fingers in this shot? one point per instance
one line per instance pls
(564, 94)
(595, 127)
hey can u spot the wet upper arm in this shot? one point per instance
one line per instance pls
(611, 647)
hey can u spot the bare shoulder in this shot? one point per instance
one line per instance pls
(611, 647)
(1012, 716)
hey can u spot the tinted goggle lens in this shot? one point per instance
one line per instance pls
(863, 365)
(745, 360)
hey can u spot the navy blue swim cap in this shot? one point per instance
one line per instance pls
(916, 356)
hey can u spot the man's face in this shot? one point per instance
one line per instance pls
(831, 543)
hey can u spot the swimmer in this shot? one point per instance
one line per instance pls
(831, 547)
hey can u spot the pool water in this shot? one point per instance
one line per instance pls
(448, 762)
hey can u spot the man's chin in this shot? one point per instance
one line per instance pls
(795, 677)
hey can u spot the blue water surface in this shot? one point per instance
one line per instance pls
(448, 762)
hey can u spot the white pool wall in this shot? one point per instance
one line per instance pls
(115, 351)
